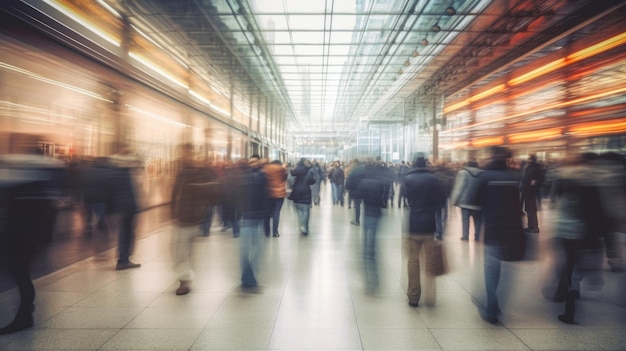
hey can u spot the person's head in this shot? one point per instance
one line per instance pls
(532, 158)
(472, 163)
(420, 160)
(499, 154)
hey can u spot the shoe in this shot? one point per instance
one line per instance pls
(566, 318)
(304, 233)
(462, 238)
(531, 231)
(276, 235)
(355, 223)
(183, 289)
(23, 320)
(127, 265)
(413, 304)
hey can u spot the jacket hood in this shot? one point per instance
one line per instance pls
(473, 171)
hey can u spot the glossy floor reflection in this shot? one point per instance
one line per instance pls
(312, 297)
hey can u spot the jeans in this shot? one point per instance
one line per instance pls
(205, 227)
(273, 214)
(415, 243)
(466, 213)
(250, 249)
(337, 193)
(303, 216)
(370, 228)
(99, 210)
(493, 266)
(441, 216)
(357, 209)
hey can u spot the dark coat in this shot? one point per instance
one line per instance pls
(301, 192)
(498, 195)
(195, 191)
(354, 179)
(372, 188)
(426, 196)
(255, 193)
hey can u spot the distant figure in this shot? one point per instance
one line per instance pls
(529, 192)
(498, 196)
(463, 196)
(30, 185)
(356, 174)
(194, 193)
(125, 203)
(315, 187)
(301, 193)
(426, 196)
(276, 178)
(337, 178)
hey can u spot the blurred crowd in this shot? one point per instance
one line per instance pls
(499, 196)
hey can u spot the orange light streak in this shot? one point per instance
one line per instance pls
(544, 108)
(602, 127)
(488, 141)
(592, 50)
(535, 135)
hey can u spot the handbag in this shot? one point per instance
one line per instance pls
(437, 264)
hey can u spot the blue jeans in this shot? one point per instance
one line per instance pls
(337, 193)
(441, 216)
(273, 214)
(493, 266)
(250, 249)
(466, 213)
(303, 216)
(370, 228)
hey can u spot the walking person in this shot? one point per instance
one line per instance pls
(357, 172)
(464, 196)
(426, 196)
(254, 207)
(125, 203)
(498, 196)
(337, 178)
(301, 193)
(276, 180)
(529, 192)
(194, 193)
(372, 186)
(30, 185)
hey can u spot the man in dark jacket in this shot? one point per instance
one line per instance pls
(125, 203)
(357, 172)
(255, 193)
(498, 195)
(372, 186)
(426, 197)
(301, 193)
(529, 192)
(337, 178)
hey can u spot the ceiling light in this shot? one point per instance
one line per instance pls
(400, 71)
(407, 63)
(436, 28)
(415, 53)
(424, 41)
(450, 11)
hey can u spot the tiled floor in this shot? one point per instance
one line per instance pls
(312, 298)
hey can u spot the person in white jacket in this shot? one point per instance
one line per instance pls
(464, 196)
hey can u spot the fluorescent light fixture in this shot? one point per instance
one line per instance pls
(156, 117)
(54, 82)
(157, 69)
(83, 23)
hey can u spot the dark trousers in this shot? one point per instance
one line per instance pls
(530, 206)
(126, 236)
(273, 214)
